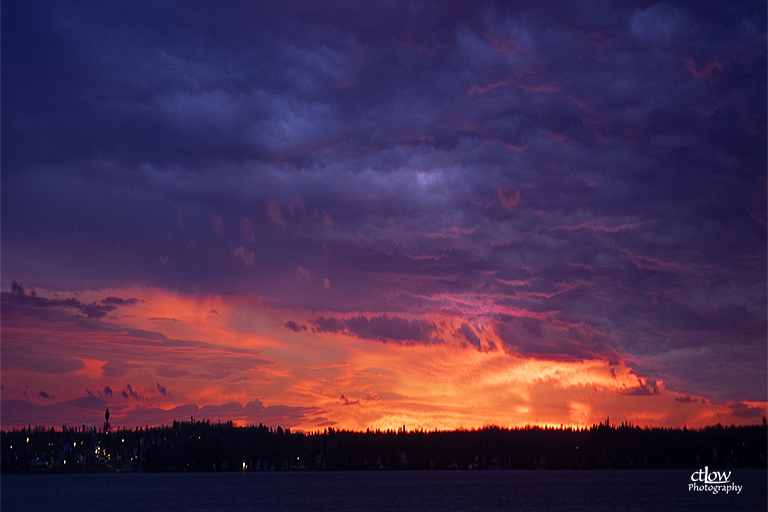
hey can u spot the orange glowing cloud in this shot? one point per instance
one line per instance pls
(167, 355)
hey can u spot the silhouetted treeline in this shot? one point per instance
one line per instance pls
(206, 446)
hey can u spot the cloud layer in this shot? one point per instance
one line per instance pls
(570, 182)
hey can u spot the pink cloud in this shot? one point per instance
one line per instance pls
(520, 79)
(247, 228)
(275, 214)
(562, 138)
(509, 197)
(654, 263)
(706, 72)
(507, 47)
(597, 226)
(297, 207)
(474, 88)
(248, 257)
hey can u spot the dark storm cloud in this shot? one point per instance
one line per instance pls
(333, 325)
(40, 360)
(597, 164)
(252, 413)
(256, 412)
(743, 410)
(396, 329)
(650, 387)
(17, 288)
(466, 331)
(551, 338)
(17, 300)
(87, 410)
(381, 328)
(95, 310)
(130, 393)
(117, 368)
(90, 410)
(293, 326)
(119, 302)
(170, 371)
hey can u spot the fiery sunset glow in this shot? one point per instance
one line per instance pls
(432, 214)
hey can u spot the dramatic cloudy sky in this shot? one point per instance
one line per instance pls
(370, 214)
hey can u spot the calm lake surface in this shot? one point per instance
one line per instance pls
(485, 491)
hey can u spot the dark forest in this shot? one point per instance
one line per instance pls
(204, 446)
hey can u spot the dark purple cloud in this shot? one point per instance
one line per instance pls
(130, 393)
(650, 387)
(293, 326)
(18, 300)
(551, 338)
(743, 410)
(41, 360)
(599, 167)
(468, 334)
(89, 410)
(346, 401)
(117, 368)
(117, 301)
(380, 328)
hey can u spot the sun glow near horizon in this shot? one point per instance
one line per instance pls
(161, 356)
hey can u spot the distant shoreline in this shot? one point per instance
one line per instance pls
(202, 446)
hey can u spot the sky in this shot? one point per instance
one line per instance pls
(357, 215)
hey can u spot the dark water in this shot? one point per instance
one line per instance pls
(391, 491)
